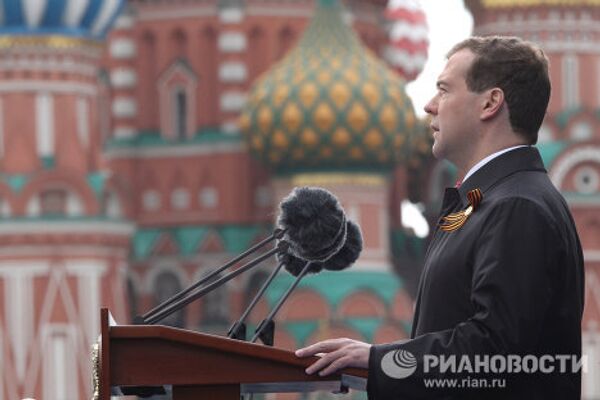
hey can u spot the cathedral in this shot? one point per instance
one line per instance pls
(144, 143)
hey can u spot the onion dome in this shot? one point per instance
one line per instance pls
(330, 103)
(408, 38)
(89, 19)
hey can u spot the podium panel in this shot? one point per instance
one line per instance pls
(199, 365)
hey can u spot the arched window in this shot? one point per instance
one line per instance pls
(180, 113)
(177, 92)
(60, 202)
(53, 202)
(166, 285)
(112, 205)
(254, 284)
(215, 308)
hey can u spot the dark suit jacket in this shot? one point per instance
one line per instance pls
(509, 281)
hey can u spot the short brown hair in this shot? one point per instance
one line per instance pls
(517, 67)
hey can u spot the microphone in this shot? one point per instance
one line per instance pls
(313, 234)
(343, 259)
(314, 223)
(318, 237)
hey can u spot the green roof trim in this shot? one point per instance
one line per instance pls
(16, 182)
(144, 241)
(188, 239)
(48, 162)
(301, 331)
(335, 286)
(550, 150)
(96, 180)
(365, 326)
(149, 138)
(236, 238)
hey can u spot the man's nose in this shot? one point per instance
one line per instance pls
(431, 107)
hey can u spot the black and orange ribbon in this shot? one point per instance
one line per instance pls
(454, 221)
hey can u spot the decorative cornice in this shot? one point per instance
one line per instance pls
(79, 227)
(174, 150)
(52, 41)
(48, 86)
(320, 179)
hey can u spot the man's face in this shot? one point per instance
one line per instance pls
(454, 111)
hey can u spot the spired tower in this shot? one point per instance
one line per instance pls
(570, 136)
(331, 114)
(63, 239)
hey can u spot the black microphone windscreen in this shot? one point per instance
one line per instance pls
(314, 222)
(344, 258)
(295, 265)
(349, 253)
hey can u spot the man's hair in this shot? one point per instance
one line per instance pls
(517, 67)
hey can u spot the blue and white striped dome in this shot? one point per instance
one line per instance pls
(81, 18)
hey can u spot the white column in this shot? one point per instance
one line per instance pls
(18, 308)
(570, 80)
(83, 121)
(44, 121)
(89, 273)
(60, 380)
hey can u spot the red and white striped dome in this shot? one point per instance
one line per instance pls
(408, 37)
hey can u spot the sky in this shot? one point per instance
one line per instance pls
(448, 22)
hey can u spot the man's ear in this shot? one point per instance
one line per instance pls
(492, 103)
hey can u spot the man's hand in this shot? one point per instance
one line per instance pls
(336, 354)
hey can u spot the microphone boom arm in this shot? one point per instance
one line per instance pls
(187, 300)
(277, 234)
(269, 320)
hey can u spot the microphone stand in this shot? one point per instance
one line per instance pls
(176, 306)
(180, 300)
(238, 329)
(158, 310)
(265, 330)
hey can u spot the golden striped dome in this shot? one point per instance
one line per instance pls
(329, 103)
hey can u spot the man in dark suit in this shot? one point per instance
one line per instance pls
(500, 299)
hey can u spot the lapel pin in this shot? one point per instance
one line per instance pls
(454, 221)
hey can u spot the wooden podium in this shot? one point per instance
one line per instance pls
(201, 366)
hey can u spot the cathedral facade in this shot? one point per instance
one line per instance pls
(145, 143)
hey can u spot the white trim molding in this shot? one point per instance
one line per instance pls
(564, 164)
(123, 78)
(232, 42)
(122, 48)
(73, 227)
(189, 150)
(28, 85)
(124, 107)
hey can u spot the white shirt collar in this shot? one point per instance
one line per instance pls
(488, 159)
